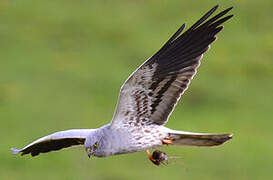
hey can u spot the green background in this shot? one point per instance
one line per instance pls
(62, 63)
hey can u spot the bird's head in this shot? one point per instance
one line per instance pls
(92, 144)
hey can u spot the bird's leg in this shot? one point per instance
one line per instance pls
(167, 141)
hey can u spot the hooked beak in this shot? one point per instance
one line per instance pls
(89, 152)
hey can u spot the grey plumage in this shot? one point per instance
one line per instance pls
(147, 99)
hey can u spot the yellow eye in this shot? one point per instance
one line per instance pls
(96, 145)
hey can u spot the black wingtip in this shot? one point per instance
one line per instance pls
(178, 32)
(214, 9)
(221, 28)
(174, 36)
(226, 18)
(227, 10)
(203, 18)
(218, 29)
(230, 16)
(15, 151)
(216, 6)
(182, 27)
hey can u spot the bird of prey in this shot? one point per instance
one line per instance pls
(146, 100)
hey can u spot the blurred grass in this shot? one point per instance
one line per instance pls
(63, 62)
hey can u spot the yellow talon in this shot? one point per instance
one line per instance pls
(167, 141)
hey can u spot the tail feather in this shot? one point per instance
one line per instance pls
(198, 139)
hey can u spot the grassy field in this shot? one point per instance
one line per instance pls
(62, 63)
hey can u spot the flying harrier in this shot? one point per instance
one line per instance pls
(146, 100)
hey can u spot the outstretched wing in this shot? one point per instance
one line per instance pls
(149, 95)
(54, 142)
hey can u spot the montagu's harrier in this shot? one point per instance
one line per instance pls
(146, 100)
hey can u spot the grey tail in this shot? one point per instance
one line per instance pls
(181, 138)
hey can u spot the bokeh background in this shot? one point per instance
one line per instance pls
(62, 63)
